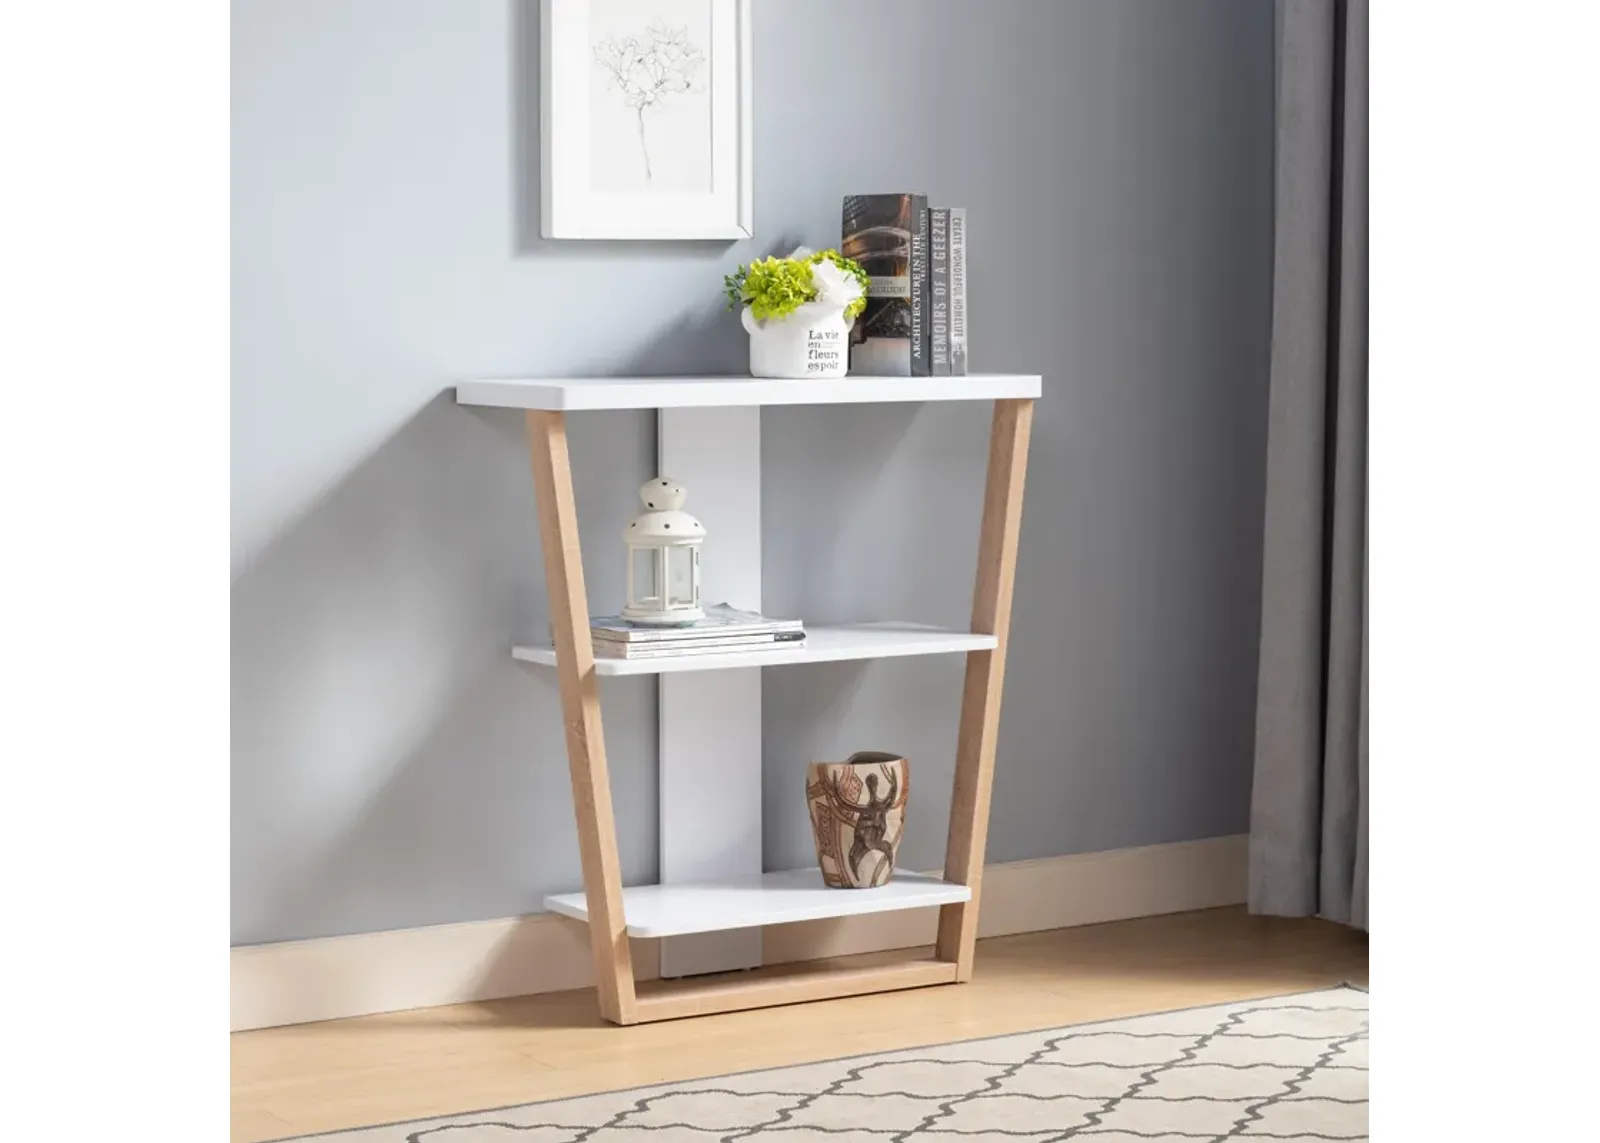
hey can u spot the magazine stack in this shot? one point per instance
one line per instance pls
(724, 630)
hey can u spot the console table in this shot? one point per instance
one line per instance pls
(714, 897)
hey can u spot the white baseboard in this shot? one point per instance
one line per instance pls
(296, 982)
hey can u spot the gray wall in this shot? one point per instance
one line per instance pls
(391, 767)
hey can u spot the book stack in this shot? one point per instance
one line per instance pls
(723, 630)
(915, 256)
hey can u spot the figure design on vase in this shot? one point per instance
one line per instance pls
(858, 817)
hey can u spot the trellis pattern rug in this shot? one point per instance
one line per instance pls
(1294, 1067)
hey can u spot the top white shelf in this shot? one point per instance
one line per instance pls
(560, 394)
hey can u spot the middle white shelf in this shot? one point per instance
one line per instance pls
(822, 645)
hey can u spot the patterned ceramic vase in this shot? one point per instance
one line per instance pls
(858, 815)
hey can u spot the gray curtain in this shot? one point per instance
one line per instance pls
(1308, 814)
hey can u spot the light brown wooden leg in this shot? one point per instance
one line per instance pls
(980, 696)
(580, 708)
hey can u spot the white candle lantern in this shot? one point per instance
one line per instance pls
(663, 559)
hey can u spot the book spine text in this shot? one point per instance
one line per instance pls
(939, 290)
(921, 344)
(958, 291)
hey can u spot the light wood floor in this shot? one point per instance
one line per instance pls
(435, 1061)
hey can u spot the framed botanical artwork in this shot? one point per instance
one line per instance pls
(645, 118)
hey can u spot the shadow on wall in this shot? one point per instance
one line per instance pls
(861, 525)
(391, 765)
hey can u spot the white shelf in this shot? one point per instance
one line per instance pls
(574, 393)
(822, 645)
(772, 899)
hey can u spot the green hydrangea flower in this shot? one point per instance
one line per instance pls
(776, 287)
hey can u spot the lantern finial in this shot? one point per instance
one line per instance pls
(662, 495)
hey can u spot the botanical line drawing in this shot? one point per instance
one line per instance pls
(648, 68)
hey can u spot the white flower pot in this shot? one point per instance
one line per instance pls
(814, 341)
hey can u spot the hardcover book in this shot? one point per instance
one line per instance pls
(958, 290)
(939, 290)
(884, 232)
(921, 328)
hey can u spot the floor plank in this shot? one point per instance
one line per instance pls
(252, 1123)
(437, 1061)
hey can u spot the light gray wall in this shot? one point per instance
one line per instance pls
(391, 767)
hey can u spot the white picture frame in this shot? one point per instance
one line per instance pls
(599, 181)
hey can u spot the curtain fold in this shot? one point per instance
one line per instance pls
(1309, 800)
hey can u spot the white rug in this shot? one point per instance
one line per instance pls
(1294, 1067)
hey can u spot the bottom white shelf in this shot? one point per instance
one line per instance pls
(772, 899)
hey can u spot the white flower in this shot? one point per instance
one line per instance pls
(801, 252)
(836, 287)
